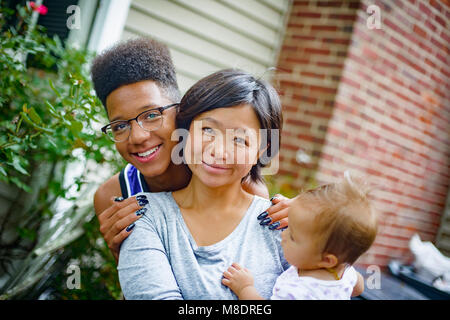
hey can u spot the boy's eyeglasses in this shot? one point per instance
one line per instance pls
(148, 120)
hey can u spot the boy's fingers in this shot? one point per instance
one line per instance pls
(120, 225)
(283, 223)
(227, 274)
(118, 239)
(277, 198)
(277, 215)
(111, 223)
(115, 206)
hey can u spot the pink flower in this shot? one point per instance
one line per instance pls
(41, 9)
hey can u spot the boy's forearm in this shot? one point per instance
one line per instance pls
(249, 293)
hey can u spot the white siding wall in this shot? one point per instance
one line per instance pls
(207, 35)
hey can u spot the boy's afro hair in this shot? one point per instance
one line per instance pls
(133, 61)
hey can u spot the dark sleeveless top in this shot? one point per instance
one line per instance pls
(132, 181)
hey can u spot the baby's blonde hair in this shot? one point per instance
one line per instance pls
(345, 218)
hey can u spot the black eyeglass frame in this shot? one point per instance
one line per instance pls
(160, 109)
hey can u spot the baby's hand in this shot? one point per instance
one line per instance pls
(237, 278)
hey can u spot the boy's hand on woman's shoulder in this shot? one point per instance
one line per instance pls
(116, 217)
(276, 217)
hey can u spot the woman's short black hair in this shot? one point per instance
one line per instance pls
(132, 61)
(232, 87)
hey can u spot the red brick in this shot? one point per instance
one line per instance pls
(308, 14)
(350, 82)
(300, 4)
(445, 37)
(419, 31)
(345, 41)
(347, 17)
(303, 37)
(297, 60)
(310, 138)
(425, 9)
(334, 4)
(288, 83)
(319, 114)
(431, 26)
(329, 65)
(312, 74)
(299, 123)
(337, 133)
(303, 98)
(354, 4)
(295, 25)
(430, 63)
(440, 21)
(436, 5)
(372, 93)
(317, 51)
(396, 42)
(358, 100)
(323, 28)
(322, 89)
(353, 125)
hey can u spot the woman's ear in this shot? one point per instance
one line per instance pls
(328, 261)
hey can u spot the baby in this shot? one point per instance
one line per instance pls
(329, 228)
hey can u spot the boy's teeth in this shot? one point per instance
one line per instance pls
(147, 153)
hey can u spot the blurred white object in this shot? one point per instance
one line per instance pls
(428, 259)
(302, 157)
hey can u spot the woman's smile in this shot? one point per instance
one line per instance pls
(215, 168)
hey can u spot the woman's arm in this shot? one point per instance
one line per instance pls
(144, 269)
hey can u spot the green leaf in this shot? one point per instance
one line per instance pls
(28, 120)
(76, 127)
(20, 184)
(52, 110)
(18, 166)
(54, 90)
(34, 116)
(25, 233)
(3, 171)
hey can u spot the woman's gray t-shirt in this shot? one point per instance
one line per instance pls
(160, 259)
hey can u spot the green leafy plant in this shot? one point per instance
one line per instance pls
(49, 120)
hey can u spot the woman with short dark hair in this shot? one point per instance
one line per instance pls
(181, 248)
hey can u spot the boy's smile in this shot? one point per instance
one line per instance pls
(148, 151)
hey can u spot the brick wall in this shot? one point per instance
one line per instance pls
(381, 107)
(310, 64)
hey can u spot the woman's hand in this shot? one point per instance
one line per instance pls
(276, 217)
(117, 221)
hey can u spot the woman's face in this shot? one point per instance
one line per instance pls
(149, 152)
(223, 145)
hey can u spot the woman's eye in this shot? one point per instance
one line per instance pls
(208, 130)
(240, 141)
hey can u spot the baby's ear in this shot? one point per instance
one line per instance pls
(328, 261)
